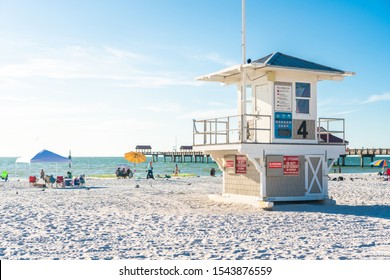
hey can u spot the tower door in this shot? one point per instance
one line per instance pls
(314, 170)
(263, 109)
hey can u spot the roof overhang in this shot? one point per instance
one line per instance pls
(233, 75)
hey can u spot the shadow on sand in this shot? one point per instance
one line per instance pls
(374, 211)
(79, 188)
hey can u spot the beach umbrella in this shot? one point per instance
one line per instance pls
(135, 157)
(380, 163)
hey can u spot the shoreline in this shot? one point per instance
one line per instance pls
(186, 175)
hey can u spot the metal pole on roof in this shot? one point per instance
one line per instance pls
(243, 89)
(243, 31)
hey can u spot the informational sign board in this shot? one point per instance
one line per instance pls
(275, 164)
(283, 125)
(230, 164)
(290, 165)
(283, 95)
(240, 164)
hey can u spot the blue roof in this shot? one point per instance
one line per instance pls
(282, 60)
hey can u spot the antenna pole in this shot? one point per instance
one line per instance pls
(243, 35)
(243, 86)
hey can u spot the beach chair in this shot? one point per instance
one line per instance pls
(4, 176)
(47, 179)
(76, 181)
(68, 182)
(51, 180)
(60, 181)
(32, 180)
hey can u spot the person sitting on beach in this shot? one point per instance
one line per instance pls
(52, 180)
(118, 172)
(4, 176)
(82, 180)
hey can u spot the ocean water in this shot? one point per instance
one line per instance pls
(107, 165)
(101, 166)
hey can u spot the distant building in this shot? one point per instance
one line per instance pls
(145, 149)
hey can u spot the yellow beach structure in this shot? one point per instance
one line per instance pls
(275, 148)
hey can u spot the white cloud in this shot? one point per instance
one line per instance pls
(125, 54)
(344, 113)
(10, 98)
(154, 81)
(163, 107)
(216, 58)
(209, 114)
(378, 98)
(133, 70)
(219, 104)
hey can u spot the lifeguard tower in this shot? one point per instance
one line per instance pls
(275, 148)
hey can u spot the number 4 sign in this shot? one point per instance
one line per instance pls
(304, 129)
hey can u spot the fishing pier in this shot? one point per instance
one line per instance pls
(186, 154)
(363, 153)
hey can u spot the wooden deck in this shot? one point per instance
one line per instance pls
(181, 156)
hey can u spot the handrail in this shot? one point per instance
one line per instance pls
(256, 128)
(227, 130)
(330, 134)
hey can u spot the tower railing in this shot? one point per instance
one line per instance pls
(228, 130)
(331, 131)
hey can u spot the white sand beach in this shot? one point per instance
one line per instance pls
(174, 219)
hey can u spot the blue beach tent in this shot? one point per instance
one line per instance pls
(43, 156)
(47, 156)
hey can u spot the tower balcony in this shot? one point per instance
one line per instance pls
(261, 129)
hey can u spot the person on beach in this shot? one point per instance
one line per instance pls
(42, 174)
(339, 169)
(150, 171)
(177, 170)
(212, 172)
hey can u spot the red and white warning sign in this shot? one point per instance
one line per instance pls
(275, 164)
(291, 165)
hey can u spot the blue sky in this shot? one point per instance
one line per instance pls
(100, 77)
